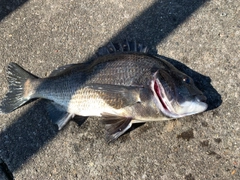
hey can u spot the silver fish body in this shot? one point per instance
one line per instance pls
(122, 87)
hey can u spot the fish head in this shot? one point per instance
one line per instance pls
(175, 93)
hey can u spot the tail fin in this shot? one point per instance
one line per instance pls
(18, 80)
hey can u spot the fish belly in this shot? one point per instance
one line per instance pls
(86, 102)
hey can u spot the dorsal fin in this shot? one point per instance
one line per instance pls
(124, 46)
(67, 68)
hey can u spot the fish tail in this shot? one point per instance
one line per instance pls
(20, 88)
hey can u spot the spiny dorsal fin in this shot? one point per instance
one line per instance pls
(125, 46)
(115, 125)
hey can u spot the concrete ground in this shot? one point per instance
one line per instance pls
(200, 37)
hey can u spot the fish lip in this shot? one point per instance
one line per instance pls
(202, 106)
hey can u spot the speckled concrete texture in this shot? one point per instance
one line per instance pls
(200, 37)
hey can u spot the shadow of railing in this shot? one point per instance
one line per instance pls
(24, 137)
(8, 6)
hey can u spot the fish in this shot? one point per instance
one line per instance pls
(123, 85)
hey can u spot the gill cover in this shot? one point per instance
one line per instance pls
(176, 94)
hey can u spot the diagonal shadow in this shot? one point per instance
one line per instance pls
(24, 137)
(8, 6)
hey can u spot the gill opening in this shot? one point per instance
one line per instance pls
(157, 91)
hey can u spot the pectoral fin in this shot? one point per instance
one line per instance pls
(115, 125)
(118, 96)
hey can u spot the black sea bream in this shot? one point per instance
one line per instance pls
(123, 86)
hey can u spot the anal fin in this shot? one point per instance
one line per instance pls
(115, 125)
(58, 114)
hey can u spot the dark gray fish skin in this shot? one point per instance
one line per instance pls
(123, 87)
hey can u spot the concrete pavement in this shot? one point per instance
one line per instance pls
(202, 38)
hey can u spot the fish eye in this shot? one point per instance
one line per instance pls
(187, 80)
